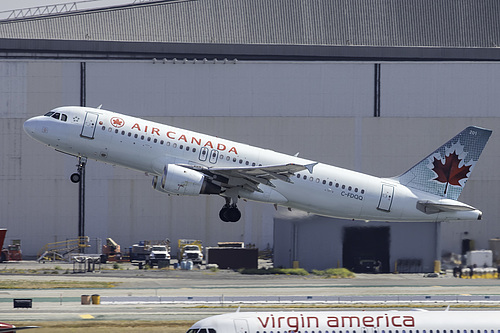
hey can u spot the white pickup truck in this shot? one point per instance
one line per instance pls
(159, 254)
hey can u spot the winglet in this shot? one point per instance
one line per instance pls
(310, 167)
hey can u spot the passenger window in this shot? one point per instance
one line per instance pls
(194, 150)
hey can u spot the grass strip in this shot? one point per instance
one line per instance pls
(28, 284)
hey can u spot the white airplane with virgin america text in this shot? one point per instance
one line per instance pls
(184, 162)
(351, 322)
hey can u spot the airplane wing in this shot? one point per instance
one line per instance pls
(431, 207)
(250, 177)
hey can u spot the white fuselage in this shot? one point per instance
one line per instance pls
(351, 321)
(148, 147)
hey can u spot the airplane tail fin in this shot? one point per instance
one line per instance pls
(447, 169)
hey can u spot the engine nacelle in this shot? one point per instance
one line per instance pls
(183, 181)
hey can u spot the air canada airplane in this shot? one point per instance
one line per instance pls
(420, 321)
(183, 162)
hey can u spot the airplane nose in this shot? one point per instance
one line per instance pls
(30, 126)
(33, 127)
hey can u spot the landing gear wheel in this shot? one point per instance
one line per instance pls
(222, 214)
(75, 178)
(230, 213)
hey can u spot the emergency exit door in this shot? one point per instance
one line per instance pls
(89, 125)
(386, 198)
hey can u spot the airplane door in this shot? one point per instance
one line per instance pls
(89, 125)
(386, 197)
(241, 326)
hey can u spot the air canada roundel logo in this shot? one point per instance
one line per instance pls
(117, 122)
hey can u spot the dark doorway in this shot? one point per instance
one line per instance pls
(366, 249)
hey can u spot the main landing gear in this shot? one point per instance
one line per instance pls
(77, 176)
(230, 212)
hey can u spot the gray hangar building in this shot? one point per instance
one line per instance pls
(373, 86)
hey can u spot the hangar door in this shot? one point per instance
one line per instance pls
(366, 247)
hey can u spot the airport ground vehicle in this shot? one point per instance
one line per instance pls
(160, 255)
(12, 252)
(191, 249)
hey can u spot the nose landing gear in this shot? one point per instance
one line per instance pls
(77, 176)
(230, 212)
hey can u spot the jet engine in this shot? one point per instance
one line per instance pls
(183, 181)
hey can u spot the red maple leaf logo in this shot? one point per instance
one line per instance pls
(117, 122)
(450, 172)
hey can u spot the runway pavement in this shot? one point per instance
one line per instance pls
(65, 304)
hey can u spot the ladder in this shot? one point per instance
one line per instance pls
(61, 250)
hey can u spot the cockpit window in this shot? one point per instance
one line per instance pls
(201, 330)
(56, 115)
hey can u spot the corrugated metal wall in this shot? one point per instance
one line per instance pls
(322, 110)
(450, 23)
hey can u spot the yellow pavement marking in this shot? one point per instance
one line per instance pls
(86, 316)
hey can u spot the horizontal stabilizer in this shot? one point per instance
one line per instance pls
(430, 207)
